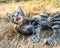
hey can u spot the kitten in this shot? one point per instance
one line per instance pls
(21, 22)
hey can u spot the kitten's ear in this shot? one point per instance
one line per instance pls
(8, 14)
(19, 8)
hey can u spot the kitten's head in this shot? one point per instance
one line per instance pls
(17, 16)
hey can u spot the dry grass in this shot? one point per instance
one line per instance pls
(11, 39)
(31, 7)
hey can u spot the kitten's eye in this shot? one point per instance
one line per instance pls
(12, 15)
(18, 12)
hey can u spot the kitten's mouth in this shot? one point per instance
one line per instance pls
(17, 18)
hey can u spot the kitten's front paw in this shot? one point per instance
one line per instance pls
(16, 28)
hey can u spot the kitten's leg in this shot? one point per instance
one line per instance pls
(51, 39)
(36, 35)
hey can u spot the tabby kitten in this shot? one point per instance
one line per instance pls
(21, 22)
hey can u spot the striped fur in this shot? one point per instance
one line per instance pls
(48, 20)
(43, 22)
(55, 25)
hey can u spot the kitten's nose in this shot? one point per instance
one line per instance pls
(17, 18)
